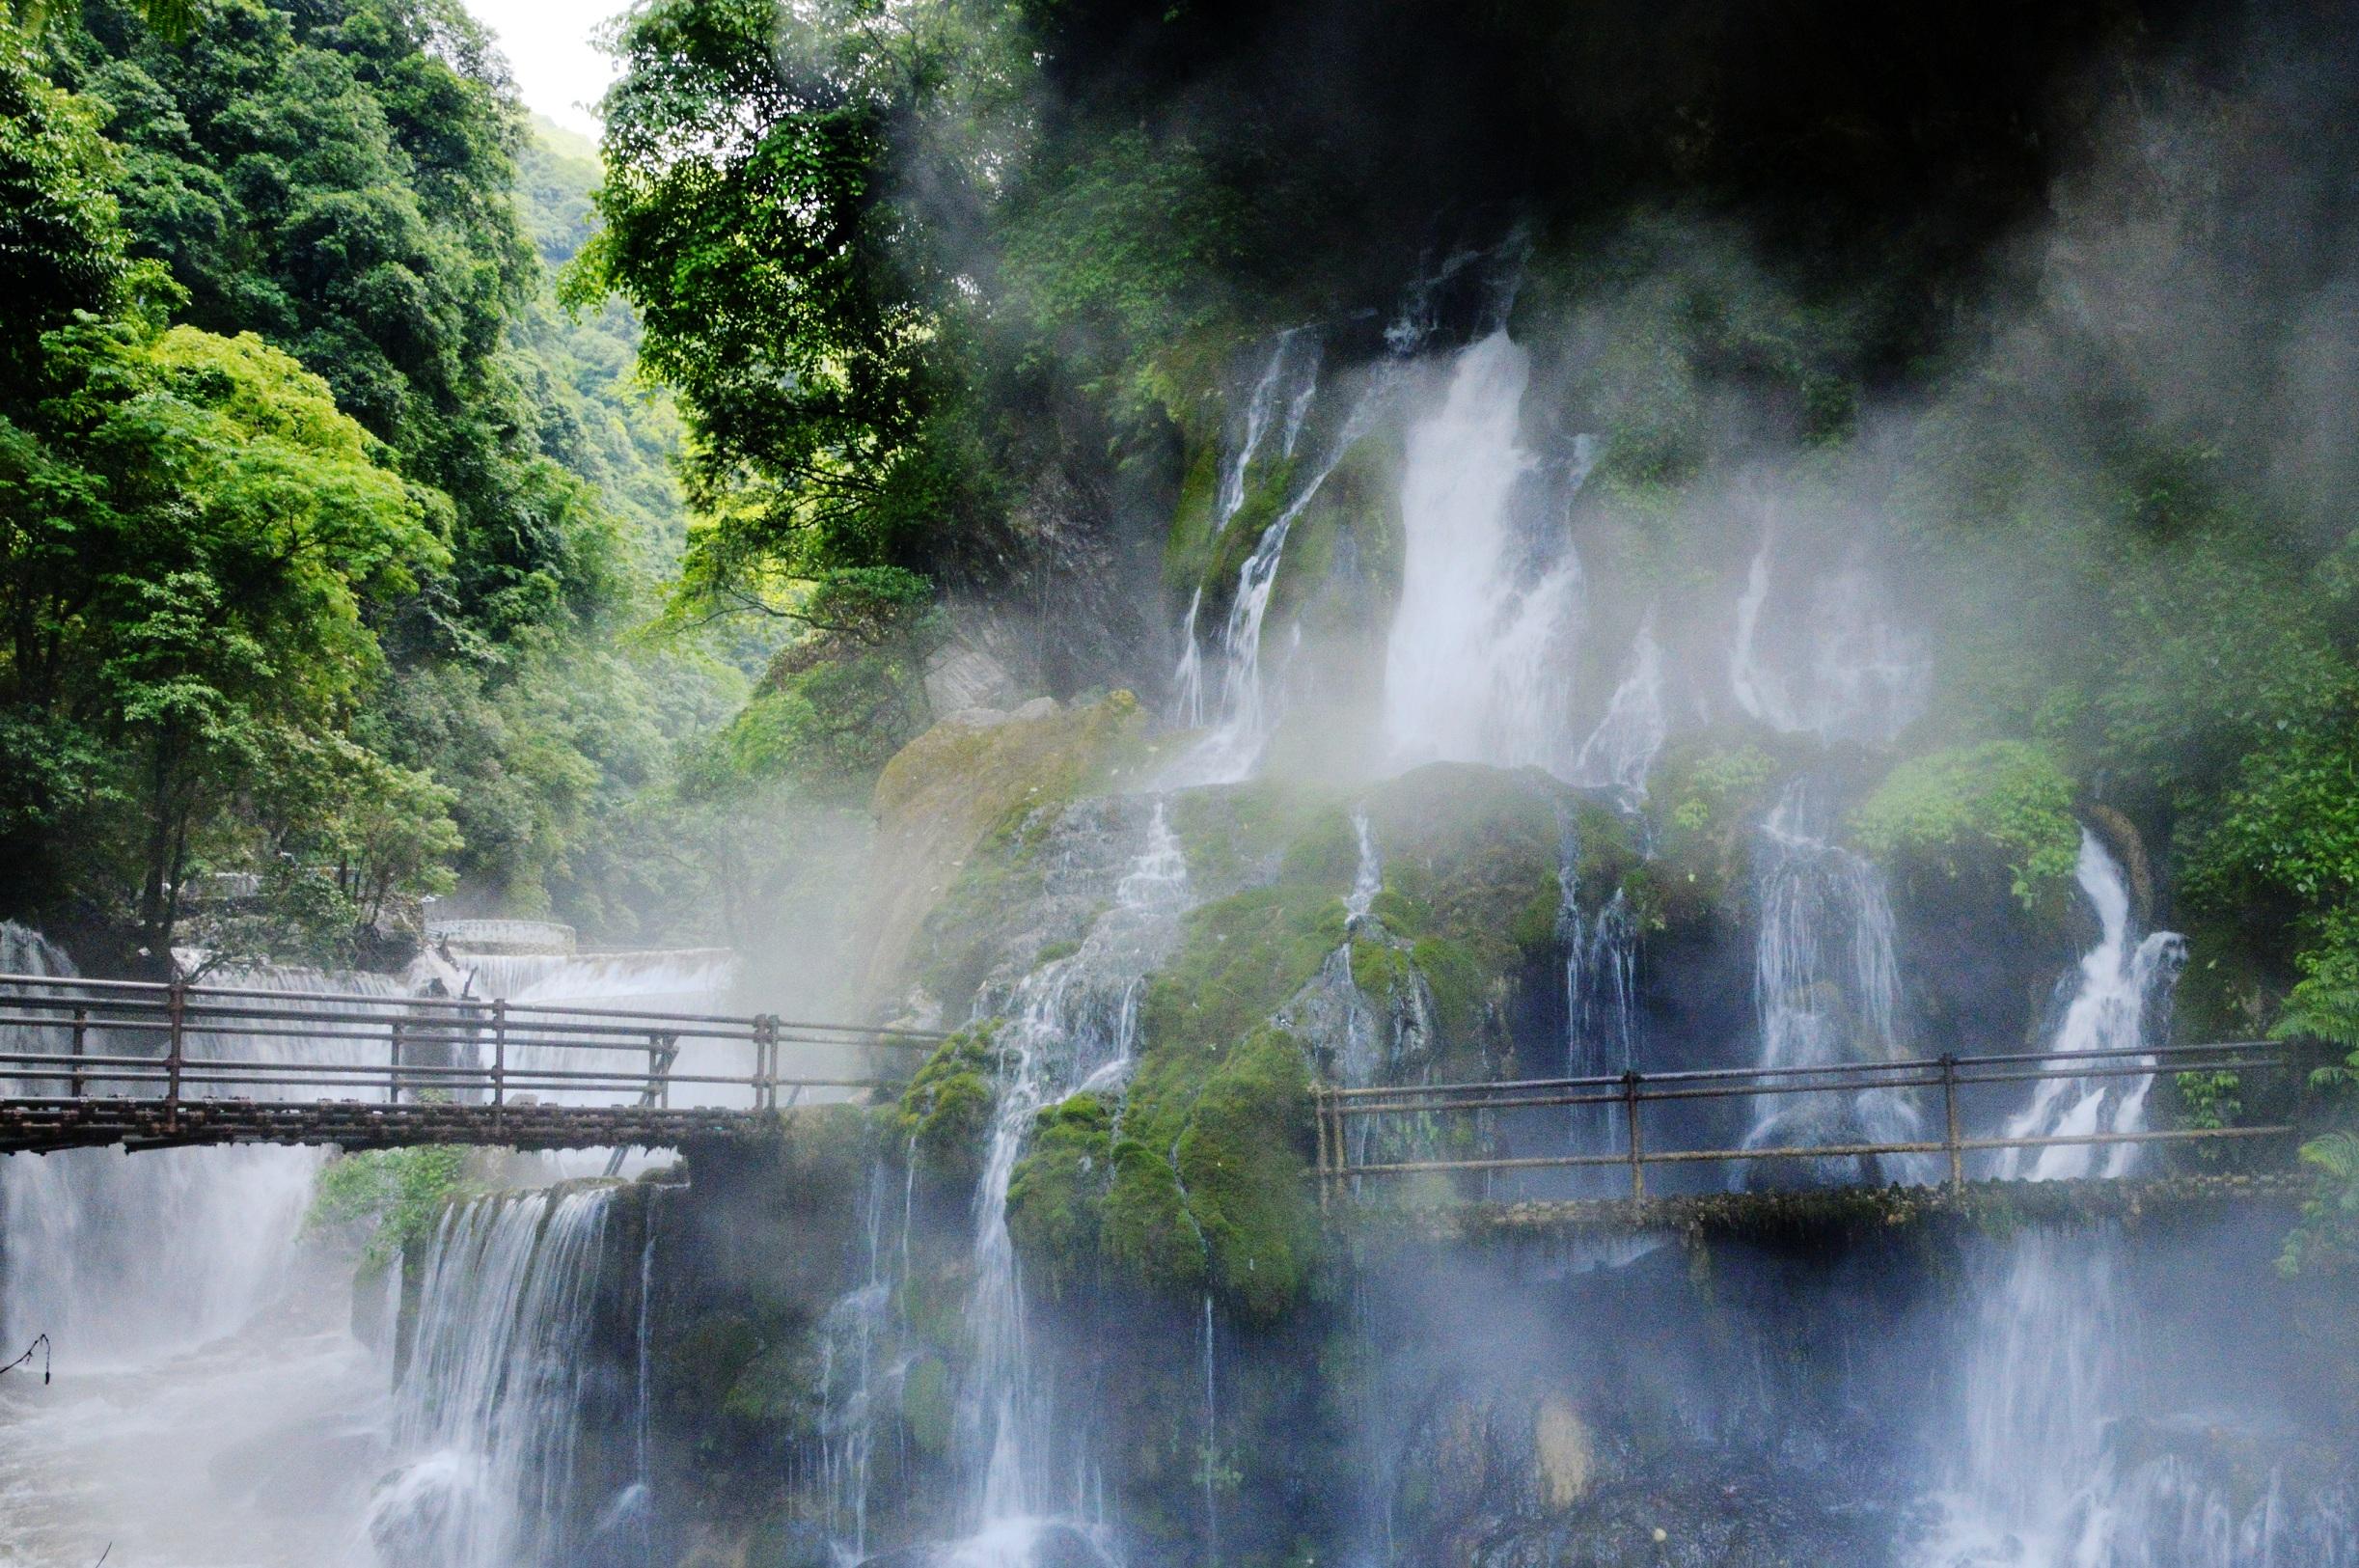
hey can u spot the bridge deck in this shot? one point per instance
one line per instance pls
(1827, 1211)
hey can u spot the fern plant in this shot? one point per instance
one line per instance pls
(2325, 1006)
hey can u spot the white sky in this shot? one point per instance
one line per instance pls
(559, 69)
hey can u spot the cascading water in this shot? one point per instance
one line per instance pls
(1234, 746)
(490, 1401)
(1072, 1023)
(124, 1259)
(2058, 1400)
(1283, 393)
(1844, 669)
(1477, 667)
(2119, 980)
(1621, 750)
(1826, 986)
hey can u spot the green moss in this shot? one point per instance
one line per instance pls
(2004, 799)
(1149, 1232)
(946, 1112)
(1472, 859)
(778, 1387)
(705, 1361)
(1240, 958)
(1359, 501)
(1056, 1197)
(1709, 795)
(1270, 828)
(927, 1408)
(1241, 1161)
(1456, 980)
(974, 806)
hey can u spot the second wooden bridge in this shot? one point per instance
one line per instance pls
(1377, 1137)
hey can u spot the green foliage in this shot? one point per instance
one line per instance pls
(392, 1197)
(337, 598)
(2005, 799)
(2326, 1241)
(2326, 1005)
(198, 600)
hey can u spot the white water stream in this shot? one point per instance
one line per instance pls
(211, 1407)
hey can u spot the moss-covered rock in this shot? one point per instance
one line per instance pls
(946, 1112)
(1239, 960)
(1710, 795)
(1056, 1198)
(957, 810)
(2003, 808)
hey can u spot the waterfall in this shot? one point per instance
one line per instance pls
(691, 978)
(1291, 375)
(1827, 985)
(2056, 1378)
(2118, 980)
(1233, 748)
(1477, 667)
(1188, 680)
(1622, 749)
(490, 1405)
(1842, 669)
(123, 1258)
(1072, 1024)
(1212, 1444)
(1601, 995)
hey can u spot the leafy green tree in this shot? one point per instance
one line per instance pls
(213, 629)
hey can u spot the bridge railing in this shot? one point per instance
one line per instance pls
(1397, 1131)
(71, 1039)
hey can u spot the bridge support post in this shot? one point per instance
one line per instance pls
(176, 1042)
(392, 1084)
(766, 1062)
(499, 1064)
(1949, 1111)
(78, 1049)
(1318, 1114)
(1638, 1152)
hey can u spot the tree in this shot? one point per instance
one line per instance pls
(204, 611)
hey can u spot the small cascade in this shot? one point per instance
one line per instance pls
(1826, 986)
(861, 1371)
(2119, 982)
(1211, 1458)
(1838, 665)
(1234, 747)
(1622, 749)
(1290, 377)
(1072, 1024)
(1601, 992)
(1477, 667)
(491, 1404)
(1371, 1038)
(1188, 680)
(2070, 1452)
(688, 978)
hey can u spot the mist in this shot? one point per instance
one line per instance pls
(1600, 762)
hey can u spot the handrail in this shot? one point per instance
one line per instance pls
(156, 994)
(1339, 1164)
(150, 1064)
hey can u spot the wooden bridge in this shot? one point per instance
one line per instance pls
(88, 1062)
(1582, 1150)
